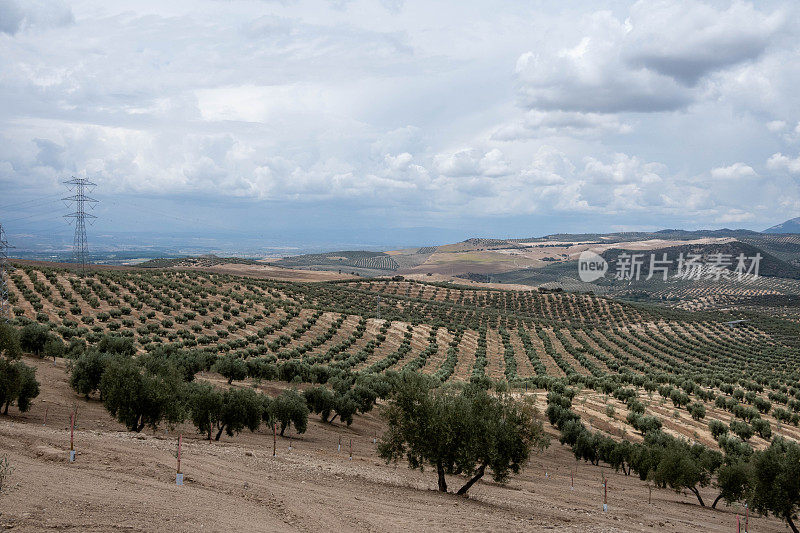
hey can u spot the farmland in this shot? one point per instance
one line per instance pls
(523, 338)
(625, 363)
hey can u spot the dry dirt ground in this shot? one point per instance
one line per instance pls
(126, 482)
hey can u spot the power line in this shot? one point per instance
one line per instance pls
(27, 204)
(5, 308)
(80, 247)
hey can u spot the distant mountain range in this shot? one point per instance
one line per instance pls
(790, 226)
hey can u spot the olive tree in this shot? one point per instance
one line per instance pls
(9, 341)
(136, 397)
(17, 384)
(458, 432)
(231, 367)
(776, 481)
(204, 403)
(240, 408)
(290, 409)
(87, 372)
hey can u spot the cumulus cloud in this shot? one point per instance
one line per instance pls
(688, 40)
(735, 171)
(472, 162)
(450, 110)
(784, 163)
(649, 62)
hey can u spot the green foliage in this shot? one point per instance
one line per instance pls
(743, 430)
(9, 341)
(54, 347)
(776, 481)
(17, 384)
(458, 432)
(204, 404)
(697, 410)
(136, 397)
(87, 372)
(290, 409)
(717, 429)
(116, 345)
(762, 428)
(231, 367)
(679, 465)
(240, 408)
(734, 482)
(33, 338)
(320, 401)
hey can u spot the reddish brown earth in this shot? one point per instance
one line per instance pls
(122, 481)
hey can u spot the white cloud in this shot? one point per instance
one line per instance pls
(735, 171)
(449, 109)
(687, 40)
(536, 123)
(784, 163)
(776, 125)
(649, 62)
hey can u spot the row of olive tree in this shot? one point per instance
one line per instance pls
(768, 480)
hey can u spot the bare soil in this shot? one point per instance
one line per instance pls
(123, 481)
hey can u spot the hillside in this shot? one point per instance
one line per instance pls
(453, 332)
(686, 371)
(790, 226)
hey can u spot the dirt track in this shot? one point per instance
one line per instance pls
(124, 481)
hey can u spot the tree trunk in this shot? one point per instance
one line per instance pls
(697, 493)
(283, 428)
(478, 474)
(333, 418)
(716, 500)
(209, 432)
(219, 433)
(5, 411)
(791, 524)
(442, 480)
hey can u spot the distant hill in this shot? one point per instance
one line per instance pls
(790, 226)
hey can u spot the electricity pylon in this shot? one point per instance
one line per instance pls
(80, 248)
(5, 308)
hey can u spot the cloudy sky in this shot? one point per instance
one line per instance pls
(395, 122)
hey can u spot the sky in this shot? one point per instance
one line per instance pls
(385, 123)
